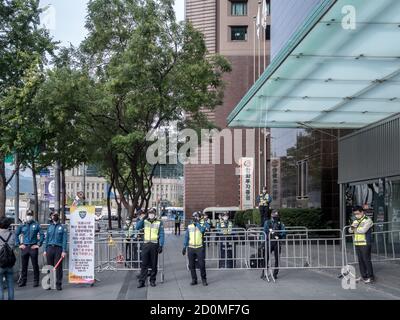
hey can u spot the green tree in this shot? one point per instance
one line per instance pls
(151, 71)
(23, 47)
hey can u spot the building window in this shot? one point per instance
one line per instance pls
(302, 179)
(239, 33)
(238, 8)
(268, 33)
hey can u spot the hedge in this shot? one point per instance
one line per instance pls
(291, 217)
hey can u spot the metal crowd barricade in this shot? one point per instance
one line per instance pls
(240, 250)
(385, 244)
(320, 249)
(116, 253)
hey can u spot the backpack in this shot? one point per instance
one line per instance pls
(7, 256)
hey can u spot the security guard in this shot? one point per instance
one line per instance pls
(224, 228)
(178, 220)
(275, 230)
(194, 241)
(56, 246)
(33, 237)
(362, 229)
(263, 201)
(129, 232)
(152, 247)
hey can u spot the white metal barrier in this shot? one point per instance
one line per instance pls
(385, 244)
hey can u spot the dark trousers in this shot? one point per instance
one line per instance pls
(178, 228)
(364, 261)
(149, 260)
(197, 255)
(264, 214)
(53, 254)
(227, 248)
(276, 248)
(27, 253)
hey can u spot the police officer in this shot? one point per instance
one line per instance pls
(32, 239)
(178, 220)
(56, 246)
(275, 230)
(193, 244)
(362, 228)
(263, 201)
(224, 228)
(152, 247)
(129, 232)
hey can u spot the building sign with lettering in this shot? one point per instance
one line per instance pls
(246, 183)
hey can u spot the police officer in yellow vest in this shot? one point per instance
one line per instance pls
(152, 247)
(193, 243)
(263, 201)
(362, 229)
(227, 247)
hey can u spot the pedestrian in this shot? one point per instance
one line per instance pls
(275, 231)
(178, 220)
(227, 245)
(7, 258)
(263, 201)
(152, 247)
(32, 238)
(56, 246)
(129, 232)
(193, 244)
(362, 230)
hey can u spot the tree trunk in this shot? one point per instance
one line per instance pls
(35, 191)
(109, 202)
(2, 187)
(119, 210)
(63, 194)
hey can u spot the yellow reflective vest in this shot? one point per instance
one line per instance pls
(195, 237)
(362, 237)
(151, 231)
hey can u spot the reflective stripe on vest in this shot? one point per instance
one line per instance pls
(360, 239)
(264, 199)
(226, 229)
(195, 237)
(151, 231)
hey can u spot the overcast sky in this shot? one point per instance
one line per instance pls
(66, 19)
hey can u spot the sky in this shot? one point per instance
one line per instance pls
(66, 19)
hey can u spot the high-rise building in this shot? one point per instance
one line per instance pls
(229, 29)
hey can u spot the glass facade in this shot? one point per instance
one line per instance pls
(303, 169)
(383, 199)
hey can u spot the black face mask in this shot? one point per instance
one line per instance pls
(56, 218)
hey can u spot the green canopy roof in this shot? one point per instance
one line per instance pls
(328, 76)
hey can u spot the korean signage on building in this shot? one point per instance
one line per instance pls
(246, 183)
(81, 239)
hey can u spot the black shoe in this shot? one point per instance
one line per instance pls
(22, 284)
(275, 276)
(193, 283)
(152, 283)
(59, 288)
(204, 282)
(36, 284)
(141, 285)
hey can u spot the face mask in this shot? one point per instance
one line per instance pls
(151, 216)
(55, 218)
(275, 218)
(29, 218)
(359, 216)
(225, 218)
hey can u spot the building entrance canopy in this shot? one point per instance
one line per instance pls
(331, 75)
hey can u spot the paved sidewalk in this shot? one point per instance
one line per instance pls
(225, 284)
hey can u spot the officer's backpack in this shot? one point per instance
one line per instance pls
(7, 256)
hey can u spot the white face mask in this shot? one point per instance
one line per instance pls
(225, 218)
(29, 218)
(151, 216)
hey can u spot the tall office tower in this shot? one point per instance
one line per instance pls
(229, 29)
